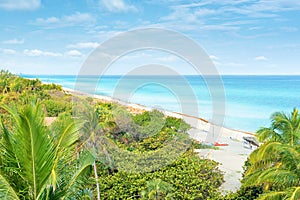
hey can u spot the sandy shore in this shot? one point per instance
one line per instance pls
(231, 157)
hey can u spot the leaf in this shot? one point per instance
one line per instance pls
(272, 196)
(66, 135)
(6, 191)
(86, 160)
(296, 194)
(34, 151)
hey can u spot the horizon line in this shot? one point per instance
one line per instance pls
(20, 74)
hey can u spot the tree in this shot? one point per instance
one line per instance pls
(275, 165)
(285, 128)
(94, 139)
(36, 163)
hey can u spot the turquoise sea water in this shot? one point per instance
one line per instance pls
(250, 100)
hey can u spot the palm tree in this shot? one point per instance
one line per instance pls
(285, 128)
(36, 163)
(93, 138)
(157, 189)
(276, 164)
(90, 129)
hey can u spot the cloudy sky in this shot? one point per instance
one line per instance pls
(240, 36)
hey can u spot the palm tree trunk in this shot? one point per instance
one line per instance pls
(97, 183)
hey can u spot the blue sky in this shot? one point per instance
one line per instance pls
(240, 36)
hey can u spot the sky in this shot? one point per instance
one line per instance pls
(239, 36)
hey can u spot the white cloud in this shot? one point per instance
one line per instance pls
(195, 16)
(181, 14)
(67, 20)
(14, 41)
(20, 4)
(74, 53)
(213, 57)
(118, 6)
(78, 18)
(49, 20)
(260, 58)
(276, 5)
(221, 27)
(230, 64)
(249, 6)
(205, 12)
(84, 45)
(37, 52)
(8, 51)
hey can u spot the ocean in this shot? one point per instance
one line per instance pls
(249, 102)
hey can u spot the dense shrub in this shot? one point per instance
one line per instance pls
(189, 176)
(54, 108)
(245, 193)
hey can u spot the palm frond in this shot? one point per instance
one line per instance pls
(295, 194)
(278, 177)
(6, 191)
(66, 135)
(34, 151)
(265, 152)
(268, 134)
(272, 196)
(75, 183)
(7, 148)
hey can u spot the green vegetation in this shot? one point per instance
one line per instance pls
(101, 151)
(19, 91)
(189, 178)
(273, 170)
(37, 163)
(95, 150)
(157, 189)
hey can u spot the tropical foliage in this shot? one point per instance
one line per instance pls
(100, 150)
(189, 177)
(37, 163)
(75, 157)
(275, 166)
(157, 189)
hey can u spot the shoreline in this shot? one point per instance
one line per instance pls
(136, 106)
(231, 157)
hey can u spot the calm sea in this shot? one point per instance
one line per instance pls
(250, 100)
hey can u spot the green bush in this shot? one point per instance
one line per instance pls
(54, 108)
(51, 86)
(189, 177)
(245, 193)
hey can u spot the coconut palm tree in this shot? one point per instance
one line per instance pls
(276, 164)
(35, 163)
(285, 128)
(93, 138)
(91, 128)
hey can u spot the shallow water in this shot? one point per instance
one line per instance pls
(250, 100)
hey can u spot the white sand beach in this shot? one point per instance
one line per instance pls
(231, 157)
